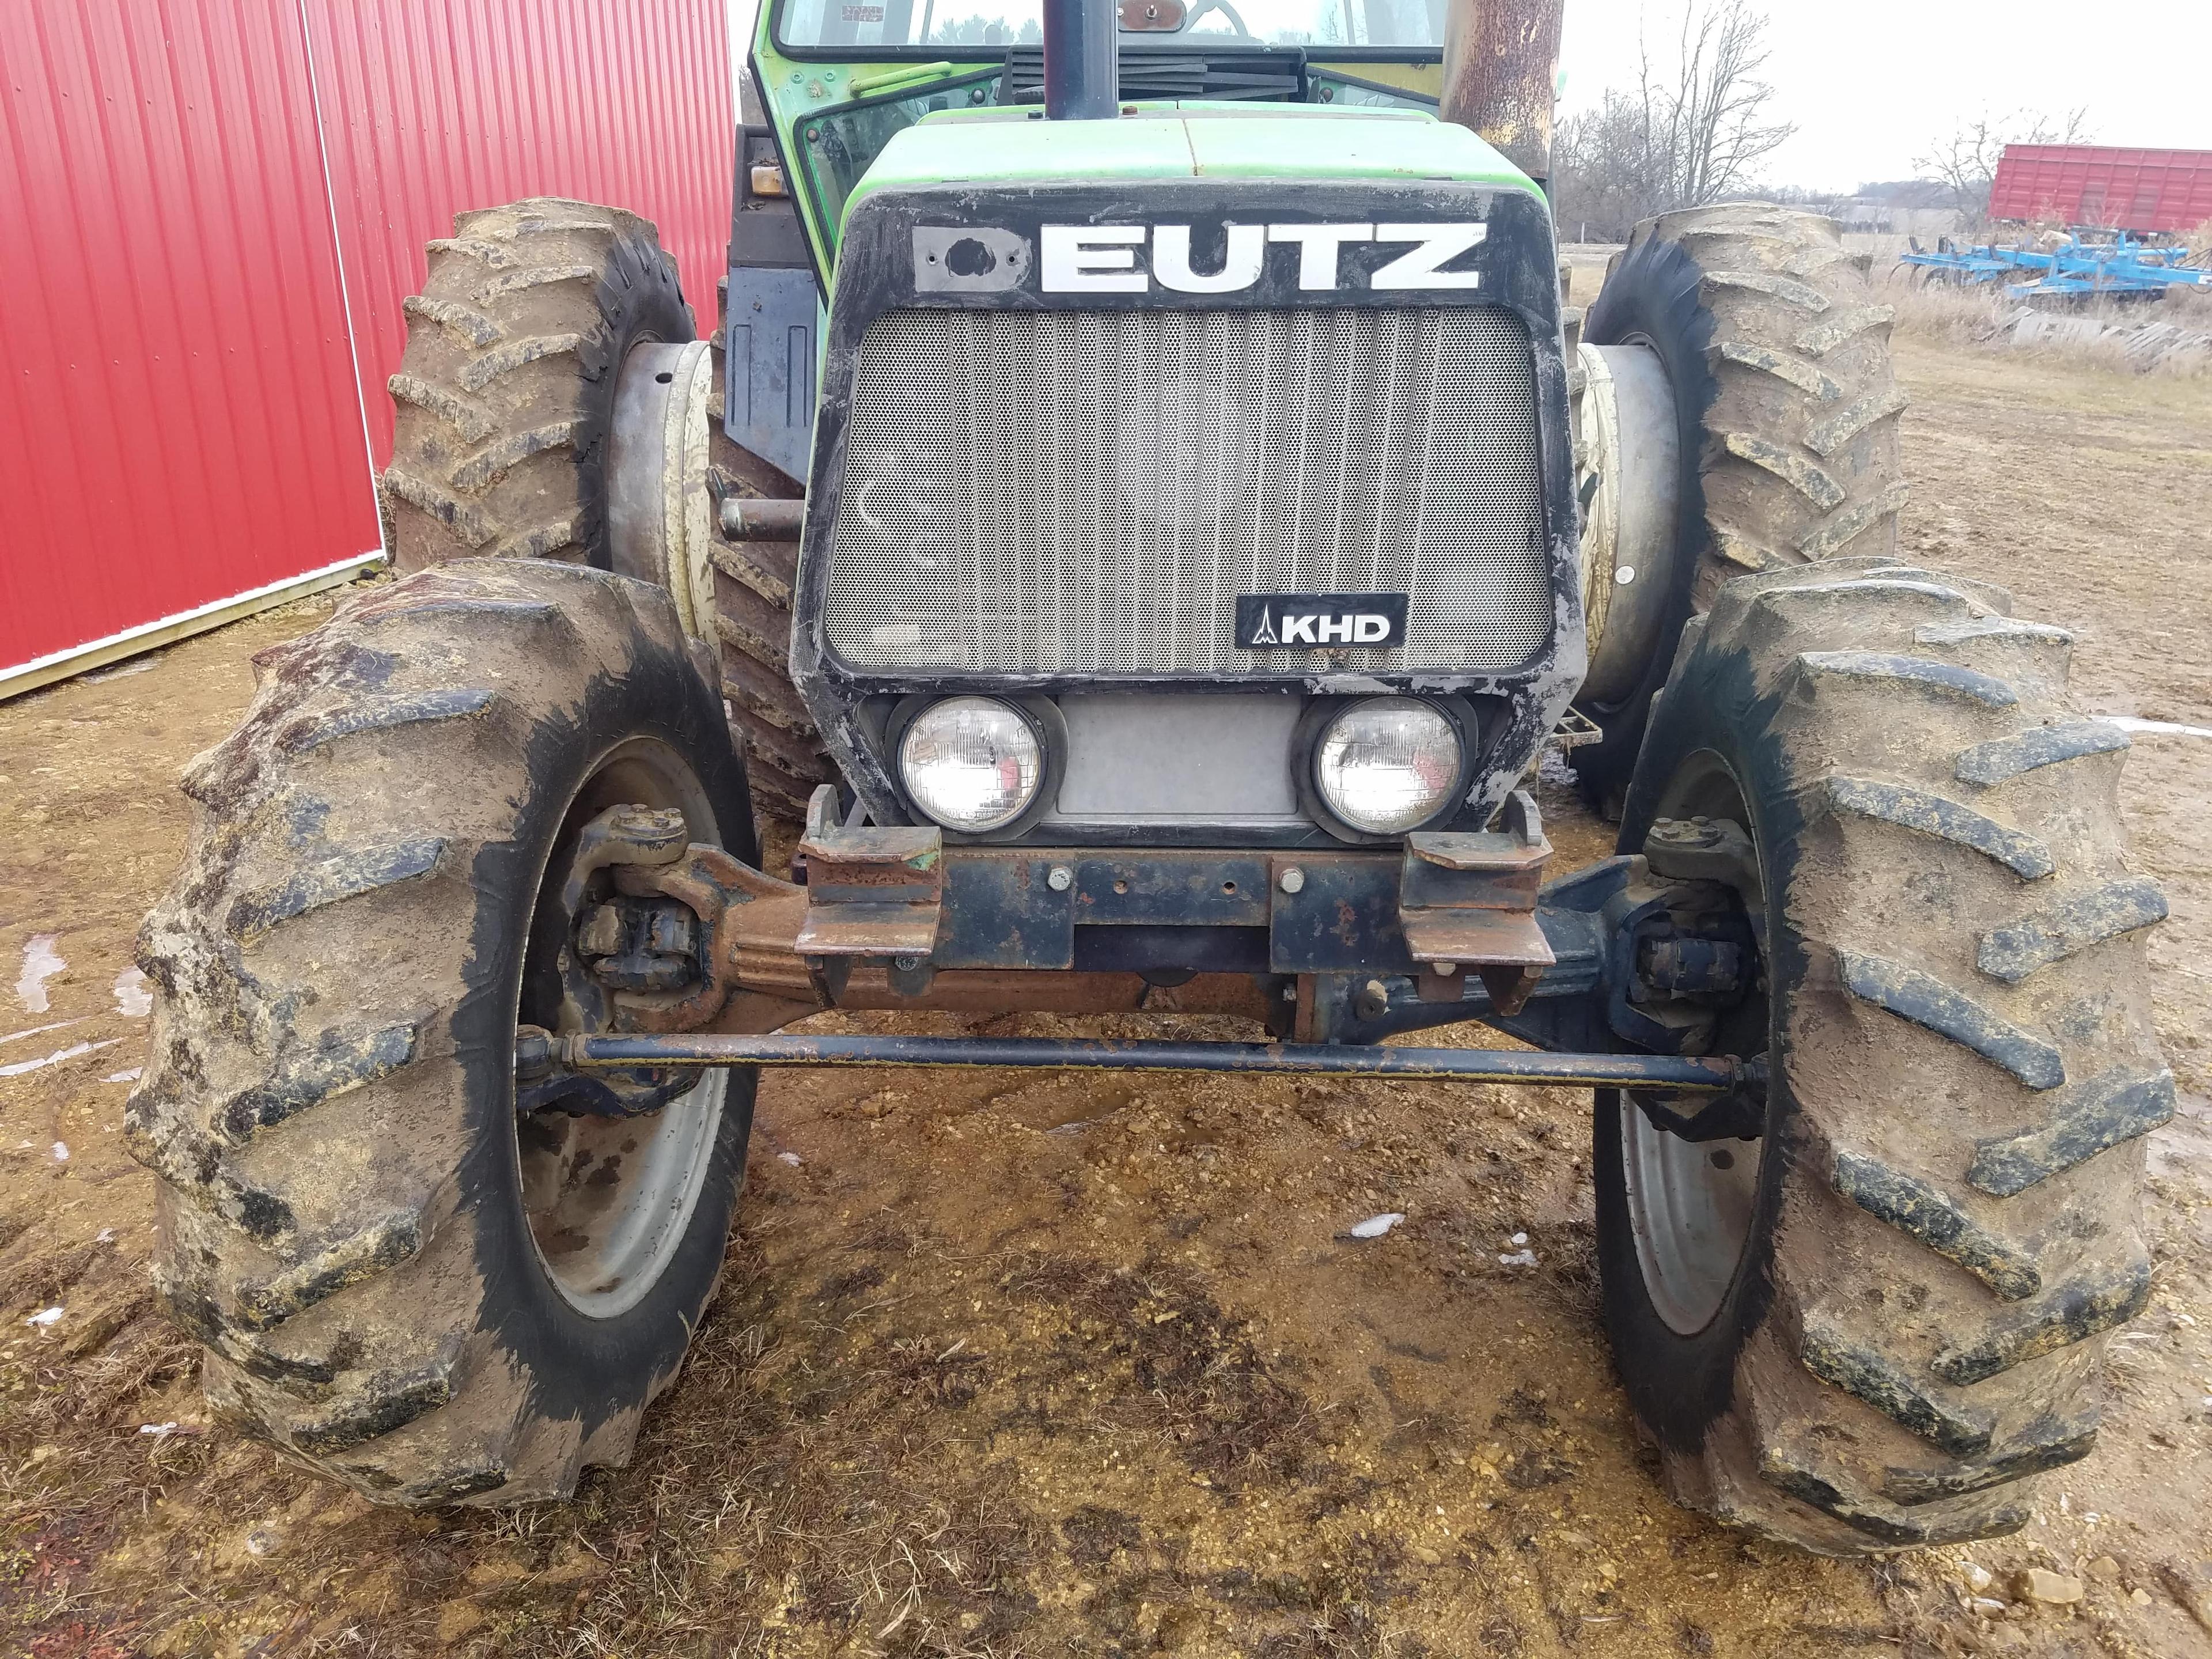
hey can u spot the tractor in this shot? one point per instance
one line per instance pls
(1143, 517)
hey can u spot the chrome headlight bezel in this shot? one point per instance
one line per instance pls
(1323, 716)
(1043, 729)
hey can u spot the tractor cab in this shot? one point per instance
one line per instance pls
(836, 81)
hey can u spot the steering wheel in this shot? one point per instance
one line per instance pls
(1190, 20)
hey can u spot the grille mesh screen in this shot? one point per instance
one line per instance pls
(1085, 492)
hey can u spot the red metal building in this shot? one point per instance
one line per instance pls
(212, 210)
(2099, 186)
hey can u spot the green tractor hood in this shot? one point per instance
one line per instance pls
(982, 149)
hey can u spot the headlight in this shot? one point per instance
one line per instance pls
(1387, 764)
(971, 763)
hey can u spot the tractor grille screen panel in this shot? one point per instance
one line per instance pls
(1087, 492)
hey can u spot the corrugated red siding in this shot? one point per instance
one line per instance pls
(431, 106)
(2103, 186)
(178, 422)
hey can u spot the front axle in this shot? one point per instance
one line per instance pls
(1676, 1073)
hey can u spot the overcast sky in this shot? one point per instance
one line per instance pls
(1870, 83)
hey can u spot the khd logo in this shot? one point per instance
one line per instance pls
(1312, 627)
(1318, 620)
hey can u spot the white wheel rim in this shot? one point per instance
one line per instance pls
(1690, 1207)
(609, 1269)
(609, 1199)
(1691, 1203)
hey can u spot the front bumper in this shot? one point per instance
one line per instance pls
(1443, 906)
(892, 917)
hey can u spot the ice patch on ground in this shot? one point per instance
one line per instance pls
(56, 1057)
(41, 962)
(134, 997)
(137, 665)
(2157, 728)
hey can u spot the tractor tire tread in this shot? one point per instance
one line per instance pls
(2077, 922)
(1912, 672)
(1941, 818)
(1944, 1278)
(339, 1062)
(307, 968)
(1928, 1003)
(2047, 1446)
(468, 325)
(2089, 1119)
(496, 460)
(2003, 758)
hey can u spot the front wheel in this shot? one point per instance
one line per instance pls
(1875, 1323)
(401, 1280)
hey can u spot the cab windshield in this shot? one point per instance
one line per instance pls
(995, 25)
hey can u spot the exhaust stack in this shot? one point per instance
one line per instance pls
(1082, 60)
(1501, 58)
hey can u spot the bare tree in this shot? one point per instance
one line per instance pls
(1601, 172)
(1690, 132)
(1965, 160)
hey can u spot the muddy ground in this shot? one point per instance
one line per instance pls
(1025, 1364)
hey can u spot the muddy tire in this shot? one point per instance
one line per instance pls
(784, 756)
(1944, 1229)
(399, 1282)
(505, 399)
(1786, 409)
(506, 393)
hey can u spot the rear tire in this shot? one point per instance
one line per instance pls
(399, 1282)
(1785, 407)
(1945, 1226)
(506, 395)
(505, 402)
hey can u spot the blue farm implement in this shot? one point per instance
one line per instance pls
(2076, 270)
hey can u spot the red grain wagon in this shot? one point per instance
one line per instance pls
(2103, 187)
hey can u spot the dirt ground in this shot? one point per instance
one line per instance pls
(1028, 1364)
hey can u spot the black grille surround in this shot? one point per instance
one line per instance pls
(1523, 673)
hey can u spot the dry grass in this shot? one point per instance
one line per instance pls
(1980, 317)
(73, 1469)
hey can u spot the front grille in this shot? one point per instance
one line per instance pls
(1086, 492)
